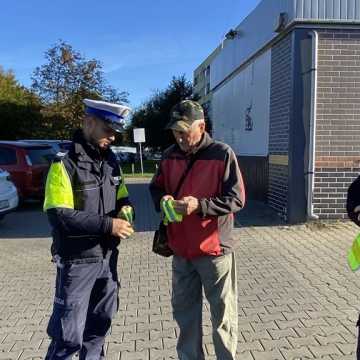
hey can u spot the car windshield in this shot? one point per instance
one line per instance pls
(41, 155)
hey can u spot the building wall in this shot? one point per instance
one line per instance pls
(338, 120)
(259, 28)
(329, 10)
(241, 108)
(202, 77)
(280, 107)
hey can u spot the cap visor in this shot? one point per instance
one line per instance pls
(178, 126)
(113, 125)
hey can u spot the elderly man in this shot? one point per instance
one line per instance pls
(85, 193)
(210, 194)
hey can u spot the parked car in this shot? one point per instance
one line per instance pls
(58, 145)
(124, 154)
(28, 165)
(9, 199)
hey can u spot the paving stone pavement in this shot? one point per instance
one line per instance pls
(297, 297)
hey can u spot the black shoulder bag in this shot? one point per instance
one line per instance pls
(160, 241)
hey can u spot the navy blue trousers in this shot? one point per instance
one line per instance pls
(86, 299)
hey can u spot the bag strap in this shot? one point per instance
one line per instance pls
(186, 172)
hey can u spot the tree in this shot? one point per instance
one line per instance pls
(64, 81)
(153, 115)
(19, 109)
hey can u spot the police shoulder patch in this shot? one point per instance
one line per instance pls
(59, 156)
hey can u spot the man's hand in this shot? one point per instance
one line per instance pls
(187, 205)
(166, 197)
(121, 228)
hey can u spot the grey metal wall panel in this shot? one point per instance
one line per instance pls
(351, 9)
(329, 7)
(307, 8)
(337, 9)
(321, 9)
(258, 27)
(315, 8)
(254, 32)
(346, 10)
(299, 8)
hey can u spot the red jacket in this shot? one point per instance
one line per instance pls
(215, 179)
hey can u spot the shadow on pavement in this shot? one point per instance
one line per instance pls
(29, 221)
(257, 213)
(146, 217)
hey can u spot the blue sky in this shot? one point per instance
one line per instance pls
(141, 44)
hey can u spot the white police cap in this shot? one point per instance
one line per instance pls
(113, 114)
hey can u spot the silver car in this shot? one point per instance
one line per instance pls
(9, 199)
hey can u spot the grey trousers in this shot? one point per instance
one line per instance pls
(217, 276)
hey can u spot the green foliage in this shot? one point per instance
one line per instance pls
(154, 114)
(53, 107)
(64, 81)
(149, 167)
(19, 109)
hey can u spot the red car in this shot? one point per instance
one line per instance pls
(28, 165)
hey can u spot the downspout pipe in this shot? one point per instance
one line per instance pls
(312, 128)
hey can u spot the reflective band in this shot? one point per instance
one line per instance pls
(58, 189)
(170, 214)
(354, 254)
(122, 191)
(127, 213)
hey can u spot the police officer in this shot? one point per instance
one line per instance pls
(88, 208)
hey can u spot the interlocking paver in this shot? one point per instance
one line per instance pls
(274, 354)
(297, 298)
(322, 350)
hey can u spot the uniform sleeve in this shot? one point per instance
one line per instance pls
(353, 200)
(59, 206)
(75, 222)
(232, 198)
(157, 188)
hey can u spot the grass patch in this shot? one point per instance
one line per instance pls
(149, 168)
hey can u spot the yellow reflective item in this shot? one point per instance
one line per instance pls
(354, 254)
(127, 213)
(170, 214)
(122, 191)
(58, 189)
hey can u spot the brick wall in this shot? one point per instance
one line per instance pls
(337, 160)
(280, 102)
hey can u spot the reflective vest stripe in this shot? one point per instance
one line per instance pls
(354, 254)
(58, 189)
(170, 213)
(122, 191)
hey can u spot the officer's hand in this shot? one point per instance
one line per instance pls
(187, 205)
(121, 228)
